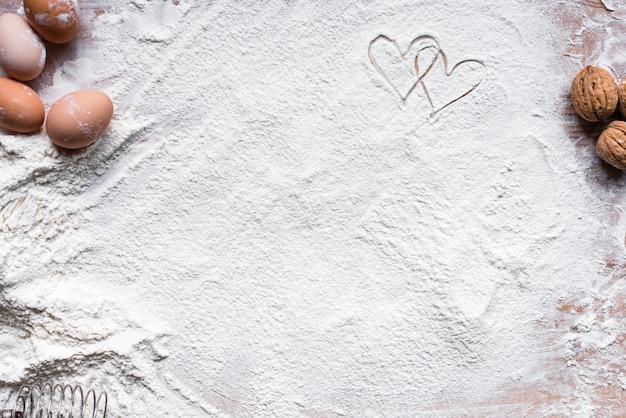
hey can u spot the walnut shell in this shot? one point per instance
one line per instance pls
(611, 145)
(594, 94)
(621, 95)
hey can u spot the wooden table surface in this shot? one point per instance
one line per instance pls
(561, 384)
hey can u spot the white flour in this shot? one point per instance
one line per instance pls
(267, 230)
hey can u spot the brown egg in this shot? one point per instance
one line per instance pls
(79, 119)
(22, 53)
(21, 109)
(54, 20)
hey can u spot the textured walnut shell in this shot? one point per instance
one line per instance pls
(621, 95)
(611, 145)
(594, 94)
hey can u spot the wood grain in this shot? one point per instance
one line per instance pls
(575, 374)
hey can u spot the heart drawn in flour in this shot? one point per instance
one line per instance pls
(403, 70)
(443, 87)
(423, 65)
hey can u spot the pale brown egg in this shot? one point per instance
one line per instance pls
(79, 119)
(54, 20)
(21, 109)
(22, 53)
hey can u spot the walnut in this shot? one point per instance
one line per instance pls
(611, 145)
(594, 94)
(621, 95)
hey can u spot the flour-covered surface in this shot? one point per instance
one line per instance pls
(267, 229)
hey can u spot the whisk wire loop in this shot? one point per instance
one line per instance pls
(56, 401)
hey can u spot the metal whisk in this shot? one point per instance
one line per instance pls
(56, 401)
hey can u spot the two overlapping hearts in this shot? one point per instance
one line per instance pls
(423, 65)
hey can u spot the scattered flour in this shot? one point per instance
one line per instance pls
(267, 230)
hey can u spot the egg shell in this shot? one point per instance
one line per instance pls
(22, 52)
(79, 118)
(21, 109)
(55, 21)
